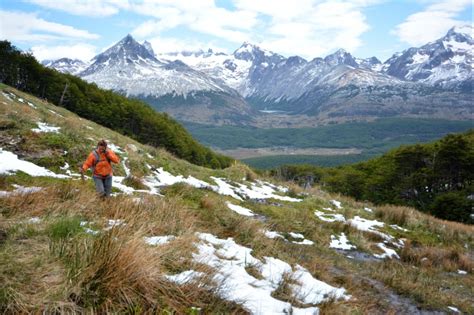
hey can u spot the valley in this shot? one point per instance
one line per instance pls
(245, 153)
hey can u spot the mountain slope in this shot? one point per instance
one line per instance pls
(176, 236)
(435, 178)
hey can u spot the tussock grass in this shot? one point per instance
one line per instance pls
(450, 259)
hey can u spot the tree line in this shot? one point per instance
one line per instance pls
(436, 178)
(130, 117)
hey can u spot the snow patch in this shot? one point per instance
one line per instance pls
(240, 210)
(329, 217)
(388, 252)
(273, 234)
(44, 127)
(10, 164)
(336, 204)
(159, 240)
(341, 243)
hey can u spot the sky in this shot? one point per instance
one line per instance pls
(81, 29)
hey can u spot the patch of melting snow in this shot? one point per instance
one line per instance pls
(328, 209)
(159, 240)
(341, 242)
(273, 234)
(336, 204)
(462, 272)
(126, 169)
(240, 210)
(10, 164)
(259, 190)
(454, 309)
(57, 114)
(114, 148)
(303, 242)
(32, 105)
(368, 209)
(388, 252)
(396, 227)
(369, 226)
(301, 237)
(89, 127)
(20, 190)
(111, 223)
(161, 177)
(230, 260)
(329, 217)
(34, 220)
(223, 188)
(149, 155)
(7, 96)
(185, 276)
(44, 127)
(21, 100)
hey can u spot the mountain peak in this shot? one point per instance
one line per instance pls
(339, 57)
(465, 29)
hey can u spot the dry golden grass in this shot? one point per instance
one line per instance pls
(450, 259)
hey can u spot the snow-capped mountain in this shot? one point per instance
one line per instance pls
(446, 61)
(131, 68)
(66, 65)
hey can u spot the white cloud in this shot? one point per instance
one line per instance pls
(308, 28)
(311, 28)
(84, 7)
(84, 52)
(18, 26)
(201, 16)
(431, 23)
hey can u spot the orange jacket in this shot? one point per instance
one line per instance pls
(103, 167)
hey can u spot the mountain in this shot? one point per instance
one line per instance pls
(172, 86)
(189, 239)
(254, 86)
(446, 62)
(66, 65)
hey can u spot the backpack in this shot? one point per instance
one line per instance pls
(97, 160)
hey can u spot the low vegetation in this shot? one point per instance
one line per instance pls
(436, 178)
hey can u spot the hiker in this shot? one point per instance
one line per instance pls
(99, 160)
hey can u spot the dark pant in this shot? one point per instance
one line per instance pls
(103, 185)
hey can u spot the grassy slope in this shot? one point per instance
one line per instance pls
(55, 266)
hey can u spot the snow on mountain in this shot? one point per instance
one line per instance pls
(446, 61)
(66, 65)
(132, 68)
(148, 47)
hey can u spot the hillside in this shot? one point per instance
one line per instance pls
(436, 177)
(177, 237)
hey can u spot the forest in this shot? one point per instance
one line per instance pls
(435, 178)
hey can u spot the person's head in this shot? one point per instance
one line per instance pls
(102, 145)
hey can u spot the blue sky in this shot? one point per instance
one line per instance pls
(53, 29)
